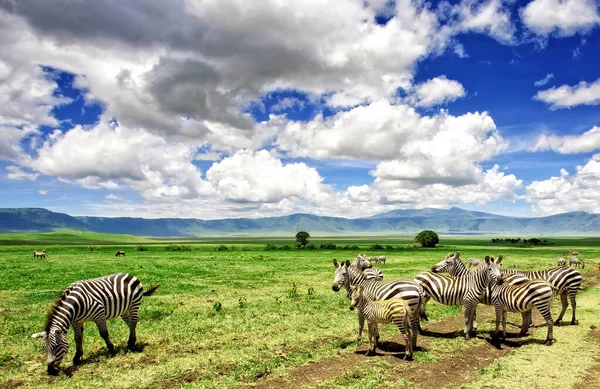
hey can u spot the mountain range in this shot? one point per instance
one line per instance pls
(397, 222)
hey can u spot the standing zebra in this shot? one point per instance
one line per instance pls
(39, 254)
(361, 262)
(464, 290)
(97, 300)
(346, 275)
(566, 280)
(395, 311)
(561, 262)
(520, 298)
(455, 267)
(577, 262)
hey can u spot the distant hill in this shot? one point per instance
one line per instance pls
(401, 221)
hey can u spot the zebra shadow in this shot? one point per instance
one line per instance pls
(397, 350)
(100, 354)
(443, 335)
(497, 342)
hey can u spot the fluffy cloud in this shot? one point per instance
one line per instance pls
(491, 17)
(17, 173)
(570, 144)
(565, 17)
(580, 191)
(438, 90)
(567, 96)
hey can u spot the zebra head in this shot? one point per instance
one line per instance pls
(447, 264)
(494, 269)
(56, 345)
(362, 262)
(357, 292)
(340, 277)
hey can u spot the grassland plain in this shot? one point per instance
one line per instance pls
(244, 316)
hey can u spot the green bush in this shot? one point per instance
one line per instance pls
(389, 247)
(93, 248)
(376, 246)
(427, 238)
(245, 248)
(141, 248)
(173, 247)
(220, 247)
(328, 246)
(270, 246)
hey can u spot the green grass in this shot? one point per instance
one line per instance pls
(220, 318)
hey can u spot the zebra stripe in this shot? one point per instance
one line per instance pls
(346, 275)
(362, 262)
(394, 311)
(373, 273)
(520, 298)
(96, 300)
(566, 280)
(577, 262)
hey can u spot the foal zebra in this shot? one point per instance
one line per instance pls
(577, 262)
(395, 311)
(39, 254)
(347, 275)
(466, 290)
(97, 300)
(520, 298)
(561, 262)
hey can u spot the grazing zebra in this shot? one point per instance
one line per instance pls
(39, 254)
(577, 262)
(575, 253)
(566, 280)
(119, 253)
(379, 259)
(395, 311)
(473, 262)
(347, 275)
(464, 290)
(561, 262)
(97, 300)
(520, 298)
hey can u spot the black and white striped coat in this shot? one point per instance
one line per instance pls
(577, 262)
(346, 276)
(520, 298)
(96, 300)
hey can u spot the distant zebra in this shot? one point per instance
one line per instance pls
(566, 280)
(520, 298)
(561, 262)
(464, 290)
(346, 275)
(39, 254)
(575, 253)
(362, 262)
(119, 253)
(577, 262)
(473, 262)
(379, 259)
(395, 311)
(97, 300)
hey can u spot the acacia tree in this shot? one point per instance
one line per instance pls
(302, 239)
(427, 238)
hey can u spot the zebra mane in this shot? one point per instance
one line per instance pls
(63, 296)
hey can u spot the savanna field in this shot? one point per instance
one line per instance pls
(230, 314)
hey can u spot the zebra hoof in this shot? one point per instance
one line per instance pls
(574, 322)
(548, 342)
(557, 323)
(522, 333)
(408, 357)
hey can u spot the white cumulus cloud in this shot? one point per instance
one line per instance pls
(562, 17)
(436, 91)
(566, 96)
(570, 144)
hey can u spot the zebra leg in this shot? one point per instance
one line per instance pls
(504, 313)
(526, 316)
(469, 313)
(573, 306)
(130, 319)
(361, 324)
(372, 339)
(78, 331)
(565, 304)
(545, 311)
(101, 323)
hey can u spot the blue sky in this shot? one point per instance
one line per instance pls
(343, 108)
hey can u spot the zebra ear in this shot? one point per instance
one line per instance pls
(499, 260)
(38, 335)
(457, 255)
(335, 263)
(347, 263)
(487, 259)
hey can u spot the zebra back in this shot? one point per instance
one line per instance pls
(373, 273)
(563, 278)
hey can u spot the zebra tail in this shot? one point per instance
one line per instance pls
(151, 291)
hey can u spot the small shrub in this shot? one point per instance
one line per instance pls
(173, 247)
(93, 248)
(187, 247)
(348, 247)
(311, 247)
(328, 246)
(270, 246)
(285, 247)
(293, 293)
(245, 248)
(220, 247)
(389, 247)
(141, 248)
(376, 246)
(217, 306)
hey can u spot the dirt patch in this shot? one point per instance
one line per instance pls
(10, 384)
(592, 277)
(592, 379)
(176, 382)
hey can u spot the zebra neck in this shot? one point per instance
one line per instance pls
(61, 316)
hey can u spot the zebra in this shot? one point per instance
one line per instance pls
(373, 273)
(119, 253)
(575, 253)
(520, 298)
(455, 267)
(561, 262)
(473, 262)
(566, 280)
(379, 259)
(464, 290)
(577, 262)
(346, 275)
(39, 254)
(395, 311)
(97, 300)
(362, 262)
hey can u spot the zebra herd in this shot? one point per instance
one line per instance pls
(451, 283)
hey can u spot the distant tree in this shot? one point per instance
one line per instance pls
(427, 238)
(302, 239)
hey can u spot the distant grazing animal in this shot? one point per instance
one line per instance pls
(362, 262)
(577, 262)
(39, 254)
(96, 300)
(561, 262)
(473, 262)
(575, 253)
(395, 311)
(119, 253)
(379, 259)
(520, 298)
